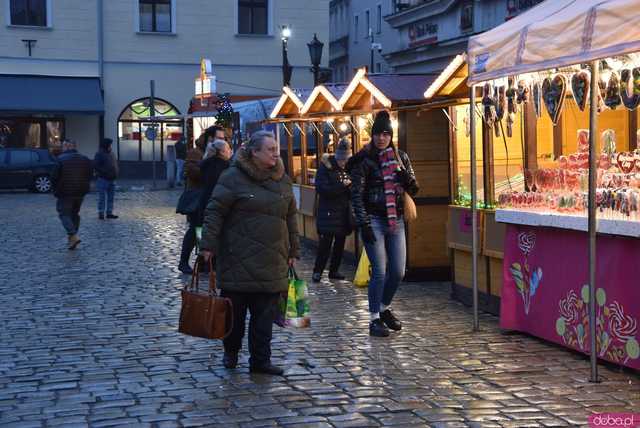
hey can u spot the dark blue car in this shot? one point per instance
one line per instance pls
(26, 169)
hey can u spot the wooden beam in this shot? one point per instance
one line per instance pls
(530, 137)
(633, 130)
(453, 156)
(558, 137)
(488, 161)
(303, 154)
(290, 153)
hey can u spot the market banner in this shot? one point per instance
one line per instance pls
(546, 293)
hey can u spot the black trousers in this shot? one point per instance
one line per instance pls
(69, 212)
(262, 308)
(324, 249)
(189, 240)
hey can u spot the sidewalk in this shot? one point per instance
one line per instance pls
(89, 338)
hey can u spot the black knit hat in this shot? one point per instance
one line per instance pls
(343, 151)
(382, 123)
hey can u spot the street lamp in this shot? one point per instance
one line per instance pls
(315, 52)
(286, 67)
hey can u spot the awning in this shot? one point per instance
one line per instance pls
(556, 33)
(45, 94)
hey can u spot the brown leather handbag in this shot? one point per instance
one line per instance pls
(205, 315)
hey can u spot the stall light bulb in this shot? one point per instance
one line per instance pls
(362, 122)
(343, 127)
(329, 120)
(394, 124)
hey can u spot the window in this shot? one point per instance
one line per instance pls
(20, 157)
(253, 16)
(378, 68)
(466, 17)
(155, 16)
(355, 29)
(367, 20)
(379, 23)
(29, 12)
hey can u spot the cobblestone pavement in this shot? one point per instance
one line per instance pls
(89, 338)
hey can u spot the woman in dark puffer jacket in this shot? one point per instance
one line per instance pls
(333, 219)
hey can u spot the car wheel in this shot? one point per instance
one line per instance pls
(42, 184)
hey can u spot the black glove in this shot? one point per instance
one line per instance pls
(367, 234)
(403, 177)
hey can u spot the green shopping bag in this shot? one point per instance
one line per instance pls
(296, 306)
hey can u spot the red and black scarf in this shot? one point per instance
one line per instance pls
(389, 165)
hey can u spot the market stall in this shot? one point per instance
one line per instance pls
(337, 111)
(563, 80)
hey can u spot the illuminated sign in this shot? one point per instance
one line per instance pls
(423, 33)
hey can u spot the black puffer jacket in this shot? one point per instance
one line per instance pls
(105, 165)
(72, 175)
(210, 169)
(334, 195)
(367, 190)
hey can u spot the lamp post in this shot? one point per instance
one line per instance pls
(315, 52)
(286, 67)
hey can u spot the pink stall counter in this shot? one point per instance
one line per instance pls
(545, 291)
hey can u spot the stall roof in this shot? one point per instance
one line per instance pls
(385, 90)
(290, 102)
(556, 33)
(324, 99)
(452, 82)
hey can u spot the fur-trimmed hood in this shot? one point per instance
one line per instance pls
(326, 160)
(244, 162)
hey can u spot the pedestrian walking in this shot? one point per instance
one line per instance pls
(106, 167)
(381, 176)
(181, 156)
(250, 226)
(194, 182)
(71, 180)
(333, 219)
(216, 160)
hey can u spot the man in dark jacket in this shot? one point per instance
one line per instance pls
(71, 178)
(106, 168)
(333, 219)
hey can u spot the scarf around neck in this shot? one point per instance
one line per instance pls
(389, 165)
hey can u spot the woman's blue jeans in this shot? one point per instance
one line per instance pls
(388, 257)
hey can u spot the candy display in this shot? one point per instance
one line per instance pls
(536, 93)
(564, 188)
(488, 104)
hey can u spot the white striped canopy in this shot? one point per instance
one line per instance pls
(556, 33)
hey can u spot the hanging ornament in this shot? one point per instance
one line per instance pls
(489, 105)
(512, 108)
(630, 88)
(501, 106)
(602, 86)
(612, 94)
(580, 87)
(522, 92)
(510, 121)
(553, 95)
(536, 93)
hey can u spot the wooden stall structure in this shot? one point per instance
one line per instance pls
(448, 96)
(332, 112)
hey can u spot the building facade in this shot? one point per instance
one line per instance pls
(417, 36)
(121, 45)
(358, 35)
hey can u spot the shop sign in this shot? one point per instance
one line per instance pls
(423, 33)
(514, 7)
(206, 82)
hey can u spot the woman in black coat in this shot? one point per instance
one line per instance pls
(333, 219)
(215, 161)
